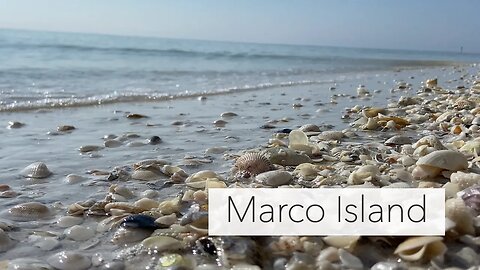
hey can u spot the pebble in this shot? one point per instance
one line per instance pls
(15, 124)
(79, 233)
(154, 140)
(89, 148)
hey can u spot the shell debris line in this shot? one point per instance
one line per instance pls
(153, 213)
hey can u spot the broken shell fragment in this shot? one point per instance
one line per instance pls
(421, 248)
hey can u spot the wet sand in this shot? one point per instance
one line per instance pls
(190, 141)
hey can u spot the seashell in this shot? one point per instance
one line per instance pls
(286, 156)
(5, 241)
(128, 207)
(458, 212)
(345, 242)
(148, 162)
(154, 140)
(69, 221)
(471, 147)
(274, 178)
(331, 135)
(146, 204)
(167, 220)
(79, 233)
(15, 124)
(363, 174)
(89, 148)
(29, 211)
(407, 101)
(220, 123)
(306, 171)
(471, 197)
(36, 170)
(135, 144)
(362, 91)
(216, 150)
(432, 164)
(136, 116)
(297, 137)
(203, 176)
(252, 164)
(109, 223)
(65, 128)
(213, 183)
(126, 235)
(122, 190)
(431, 83)
(112, 143)
(158, 244)
(398, 140)
(349, 261)
(170, 206)
(465, 180)
(145, 174)
(372, 112)
(74, 178)
(139, 221)
(69, 260)
(228, 114)
(421, 248)
(309, 128)
(76, 209)
(47, 243)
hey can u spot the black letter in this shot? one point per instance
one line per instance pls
(339, 207)
(280, 208)
(355, 215)
(267, 212)
(390, 207)
(423, 209)
(251, 202)
(373, 213)
(290, 213)
(308, 209)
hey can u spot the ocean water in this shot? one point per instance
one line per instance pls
(46, 69)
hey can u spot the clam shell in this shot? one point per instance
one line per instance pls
(274, 178)
(309, 128)
(203, 176)
(146, 204)
(79, 233)
(286, 156)
(157, 244)
(69, 260)
(145, 175)
(306, 171)
(36, 170)
(252, 163)
(331, 135)
(297, 137)
(445, 159)
(421, 248)
(74, 178)
(29, 211)
(430, 141)
(398, 140)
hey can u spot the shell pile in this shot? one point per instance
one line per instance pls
(154, 214)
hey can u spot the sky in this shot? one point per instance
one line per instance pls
(408, 24)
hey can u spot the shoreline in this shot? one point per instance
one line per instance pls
(202, 143)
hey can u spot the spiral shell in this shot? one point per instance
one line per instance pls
(252, 164)
(36, 170)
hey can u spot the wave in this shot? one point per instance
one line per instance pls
(58, 103)
(174, 52)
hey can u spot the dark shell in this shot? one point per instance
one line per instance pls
(471, 197)
(139, 221)
(154, 140)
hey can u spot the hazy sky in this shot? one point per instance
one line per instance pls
(406, 24)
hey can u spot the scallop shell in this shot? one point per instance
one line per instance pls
(69, 260)
(36, 170)
(458, 212)
(445, 160)
(252, 164)
(29, 211)
(274, 178)
(421, 248)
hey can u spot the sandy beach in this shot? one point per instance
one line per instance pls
(125, 184)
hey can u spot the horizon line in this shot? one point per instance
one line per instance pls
(232, 41)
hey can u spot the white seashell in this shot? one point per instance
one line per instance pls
(372, 124)
(69, 221)
(297, 137)
(145, 175)
(149, 193)
(286, 156)
(146, 204)
(29, 211)
(398, 140)
(430, 141)
(458, 212)
(309, 128)
(421, 248)
(79, 233)
(331, 135)
(158, 244)
(203, 176)
(432, 164)
(363, 174)
(464, 180)
(170, 206)
(306, 171)
(69, 260)
(73, 179)
(123, 191)
(274, 178)
(345, 242)
(472, 147)
(36, 170)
